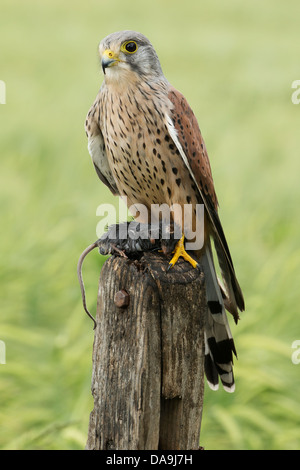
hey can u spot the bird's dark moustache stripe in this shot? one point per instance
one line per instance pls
(135, 68)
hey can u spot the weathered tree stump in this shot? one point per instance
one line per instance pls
(148, 356)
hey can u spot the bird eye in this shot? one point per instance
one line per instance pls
(129, 47)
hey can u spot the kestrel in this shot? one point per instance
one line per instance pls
(146, 144)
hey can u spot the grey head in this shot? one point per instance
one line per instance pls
(129, 51)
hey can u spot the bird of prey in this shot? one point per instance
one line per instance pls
(146, 145)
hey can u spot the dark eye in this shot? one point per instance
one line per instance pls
(130, 47)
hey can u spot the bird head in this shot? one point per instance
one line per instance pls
(128, 51)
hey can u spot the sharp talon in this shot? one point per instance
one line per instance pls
(180, 252)
(169, 267)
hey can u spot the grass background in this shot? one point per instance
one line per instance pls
(235, 62)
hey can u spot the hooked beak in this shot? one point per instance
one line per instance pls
(109, 59)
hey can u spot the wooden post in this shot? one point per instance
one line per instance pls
(148, 357)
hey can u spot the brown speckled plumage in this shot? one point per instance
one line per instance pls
(146, 144)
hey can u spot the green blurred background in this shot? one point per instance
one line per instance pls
(235, 62)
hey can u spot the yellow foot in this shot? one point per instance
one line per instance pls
(180, 251)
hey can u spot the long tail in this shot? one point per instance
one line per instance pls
(219, 345)
(232, 289)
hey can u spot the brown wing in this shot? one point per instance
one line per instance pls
(193, 146)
